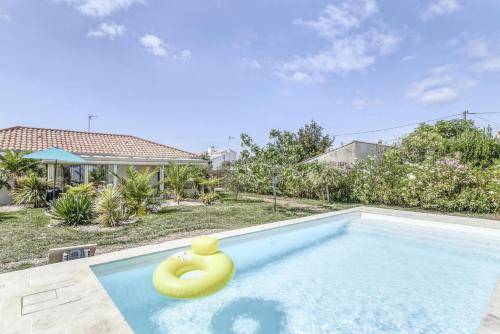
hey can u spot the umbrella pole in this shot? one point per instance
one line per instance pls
(54, 187)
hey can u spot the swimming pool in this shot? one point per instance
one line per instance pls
(343, 274)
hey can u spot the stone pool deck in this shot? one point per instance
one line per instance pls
(68, 298)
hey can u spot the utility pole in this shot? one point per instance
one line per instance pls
(229, 141)
(465, 113)
(89, 118)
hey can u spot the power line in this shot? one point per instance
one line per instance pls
(487, 120)
(394, 127)
(483, 113)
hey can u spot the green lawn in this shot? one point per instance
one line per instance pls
(26, 237)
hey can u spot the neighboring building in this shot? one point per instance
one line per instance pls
(498, 135)
(102, 152)
(219, 157)
(348, 154)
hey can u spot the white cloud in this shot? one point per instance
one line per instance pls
(483, 53)
(444, 84)
(183, 55)
(101, 8)
(154, 45)
(250, 63)
(344, 55)
(107, 30)
(490, 64)
(346, 50)
(441, 7)
(335, 21)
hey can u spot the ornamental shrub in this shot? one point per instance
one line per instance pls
(72, 209)
(110, 209)
(31, 189)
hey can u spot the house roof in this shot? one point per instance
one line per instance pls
(21, 138)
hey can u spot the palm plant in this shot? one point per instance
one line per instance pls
(136, 189)
(4, 180)
(210, 184)
(110, 207)
(177, 178)
(82, 189)
(14, 165)
(31, 189)
(72, 209)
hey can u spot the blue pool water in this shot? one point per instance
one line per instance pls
(337, 275)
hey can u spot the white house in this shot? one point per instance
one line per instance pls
(219, 157)
(102, 152)
(348, 154)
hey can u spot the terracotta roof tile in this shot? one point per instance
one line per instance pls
(22, 138)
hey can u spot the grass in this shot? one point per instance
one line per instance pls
(26, 236)
(292, 201)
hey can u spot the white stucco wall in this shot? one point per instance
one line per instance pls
(350, 153)
(218, 159)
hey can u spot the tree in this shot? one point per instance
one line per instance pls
(456, 138)
(266, 165)
(234, 182)
(210, 184)
(136, 189)
(312, 140)
(177, 177)
(15, 165)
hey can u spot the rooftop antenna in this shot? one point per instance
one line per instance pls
(89, 118)
(229, 142)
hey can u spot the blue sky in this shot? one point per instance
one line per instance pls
(191, 73)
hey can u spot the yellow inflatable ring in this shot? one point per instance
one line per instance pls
(204, 256)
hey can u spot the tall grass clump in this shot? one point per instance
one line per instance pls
(72, 209)
(31, 189)
(109, 208)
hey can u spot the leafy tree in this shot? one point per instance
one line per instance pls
(312, 140)
(267, 164)
(234, 182)
(456, 138)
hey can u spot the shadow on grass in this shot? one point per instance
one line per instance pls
(291, 210)
(242, 200)
(169, 210)
(6, 216)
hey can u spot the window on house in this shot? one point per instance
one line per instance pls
(99, 174)
(73, 174)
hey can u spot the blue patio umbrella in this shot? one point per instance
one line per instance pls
(55, 154)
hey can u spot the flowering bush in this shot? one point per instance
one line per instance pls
(449, 166)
